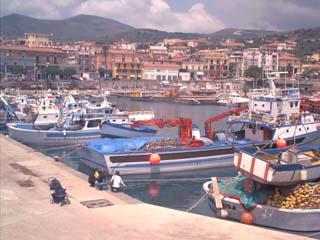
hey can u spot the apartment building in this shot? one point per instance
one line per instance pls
(160, 71)
(38, 39)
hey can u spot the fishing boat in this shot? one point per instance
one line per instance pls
(233, 99)
(279, 166)
(271, 115)
(267, 206)
(68, 133)
(119, 125)
(7, 114)
(45, 113)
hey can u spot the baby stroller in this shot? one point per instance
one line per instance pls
(58, 193)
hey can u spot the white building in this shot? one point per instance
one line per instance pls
(38, 39)
(270, 62)
(251, 57)
(158, 49)
(158, 71)
(185, 76)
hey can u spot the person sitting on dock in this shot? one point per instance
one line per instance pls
(98, 179)
(93, 177)
(116, 182)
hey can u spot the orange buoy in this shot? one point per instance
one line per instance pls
(154, 159)
(246, 218)
(281, 143)
(154, 189)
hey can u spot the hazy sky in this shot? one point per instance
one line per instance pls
(180, 15)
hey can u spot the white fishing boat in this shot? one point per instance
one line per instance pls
(46, 112)
(233, 99)
(279, 166)
(295, 219)
(79, 131)
(119, 125)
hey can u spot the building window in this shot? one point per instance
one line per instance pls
(55, 60)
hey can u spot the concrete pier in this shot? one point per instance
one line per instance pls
(27, 213)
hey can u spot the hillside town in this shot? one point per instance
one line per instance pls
(226, 64)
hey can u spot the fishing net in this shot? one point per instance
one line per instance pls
(238, 188)
(108, 145)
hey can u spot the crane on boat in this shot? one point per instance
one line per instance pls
(210, 131)
(184, 124)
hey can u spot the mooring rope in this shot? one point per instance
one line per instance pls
(204, 196)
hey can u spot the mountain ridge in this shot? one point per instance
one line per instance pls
(90, 27)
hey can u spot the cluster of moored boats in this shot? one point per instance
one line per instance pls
(54, 120)
(270, 141)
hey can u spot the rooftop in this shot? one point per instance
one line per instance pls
(32, 49)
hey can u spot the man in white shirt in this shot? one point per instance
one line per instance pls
(116, 182)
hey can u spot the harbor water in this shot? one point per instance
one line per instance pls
(175, 190)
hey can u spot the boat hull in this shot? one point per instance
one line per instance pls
(124, 131)
(285, 219)
(170, 161)
(25, 134)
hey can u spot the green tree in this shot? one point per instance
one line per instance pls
(53, 70)
(68, 72)
(254, 72)
(18, 70)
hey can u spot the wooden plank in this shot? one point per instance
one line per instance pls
(266, 171)
(252, 165)
(216, 193)
(239, 159)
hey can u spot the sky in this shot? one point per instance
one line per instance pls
(203, 16)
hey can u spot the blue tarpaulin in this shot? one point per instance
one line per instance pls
(108, 145)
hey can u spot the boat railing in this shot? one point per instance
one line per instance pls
(262, 118)
(141, 113)
(278, 93)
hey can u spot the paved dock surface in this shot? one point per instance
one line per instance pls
(27, 213)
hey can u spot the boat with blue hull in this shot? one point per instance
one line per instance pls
(120, 125)
(136, 160)
(87, 129)
(114, 130)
